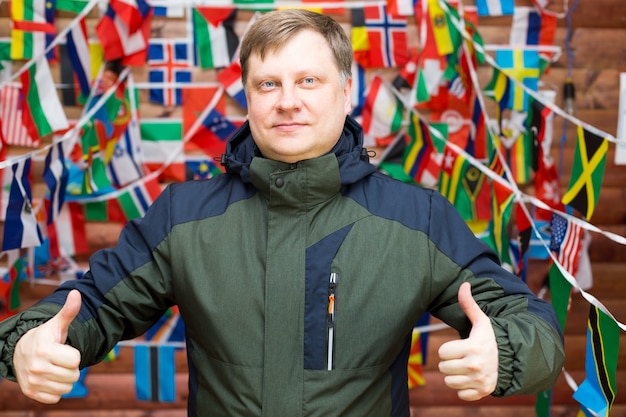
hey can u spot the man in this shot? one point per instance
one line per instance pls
(301, 271)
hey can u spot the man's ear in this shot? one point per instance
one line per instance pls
(347, 92)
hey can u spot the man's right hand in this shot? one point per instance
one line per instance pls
(45, 367)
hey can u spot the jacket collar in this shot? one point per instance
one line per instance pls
(352, 159)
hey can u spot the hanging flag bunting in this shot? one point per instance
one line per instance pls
(523, 66)
(55, 175)
(136, 200)
(79, 53)
(170, 63)
(67, 234)
(202, 167)
(499, 90)
(20, 228)
(383, 111)
(124, 32)
(125, 165)
(93, 141)
(565, 242)
(9, 285)
(13, 129)
(447, 37)
(230, 78)
(32, 28)
(495, 7)
(214, 131)
(387, 38)
(587, 172)
(43, 113)
(214, 36)
(358, 89)
(502, 203)
(597, 392)
(162, 148)
(420, 153)
(169, 11)
(155, 373)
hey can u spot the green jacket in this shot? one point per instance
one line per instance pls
(299, 286)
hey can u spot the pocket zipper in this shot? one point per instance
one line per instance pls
(332, 291)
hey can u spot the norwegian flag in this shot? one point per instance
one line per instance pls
(170, 62)
(230, 78)
(566, 242)
(387, 38)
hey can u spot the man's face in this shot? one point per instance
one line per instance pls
(296, 102)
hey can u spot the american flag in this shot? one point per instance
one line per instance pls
(566, 242)
(13, 128)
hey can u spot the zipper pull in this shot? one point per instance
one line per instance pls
(332, 288)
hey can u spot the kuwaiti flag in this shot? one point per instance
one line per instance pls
(20, 228)
(495, 7)
(121, 40)
(136, 199)
(55, 175)
(162, 147)
(230, 78)
(80, 55)
(42, 112)
(214, 36)
(155, 373)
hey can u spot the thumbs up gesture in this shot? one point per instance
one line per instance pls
(44, 365)
(470, 365)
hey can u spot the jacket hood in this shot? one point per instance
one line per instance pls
(352, 157)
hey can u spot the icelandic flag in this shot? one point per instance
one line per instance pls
(170, 62)
(21, 229)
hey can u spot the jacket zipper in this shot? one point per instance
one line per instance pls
(332, 292)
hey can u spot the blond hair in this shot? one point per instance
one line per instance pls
(274, 29)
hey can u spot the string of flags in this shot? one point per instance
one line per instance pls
(432, 120)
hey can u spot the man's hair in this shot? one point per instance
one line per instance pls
(273, 30)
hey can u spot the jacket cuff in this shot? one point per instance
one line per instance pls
(506, 358)
(13, 329)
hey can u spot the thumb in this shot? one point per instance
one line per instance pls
(468, 304)
(68, 313)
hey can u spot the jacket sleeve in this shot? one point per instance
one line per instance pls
(125, 291)
(530, 341)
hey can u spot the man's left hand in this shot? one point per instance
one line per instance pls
(470, 365)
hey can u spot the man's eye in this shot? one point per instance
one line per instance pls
(268, 84)
(309, 80)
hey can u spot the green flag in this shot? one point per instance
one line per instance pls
(598, 391)
(587, 172)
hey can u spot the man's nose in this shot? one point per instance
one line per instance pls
(289, 99)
